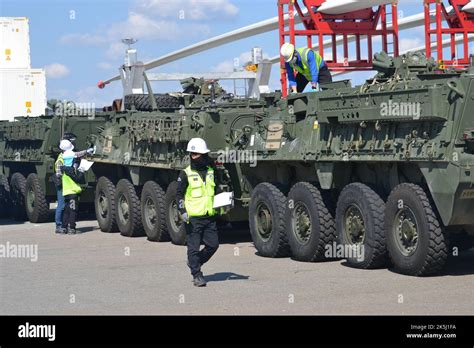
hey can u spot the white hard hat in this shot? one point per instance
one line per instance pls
(287, 51)
(66, 145)
(197, 145)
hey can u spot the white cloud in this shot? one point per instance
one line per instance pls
(142, 27)
(197, 10)
(82, 39)
(56, 71)
(410, 43)
(160, 20)
(237, 62)
(104, 65)
(115, 50)
(60, 93)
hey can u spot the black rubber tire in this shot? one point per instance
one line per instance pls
(177, 233)
(276, 245)
(372, 208)
(18, 190)
(142, 101)
(432, 248)
(39, 212)
(323, 229)
(133, 226)
(5, 199)
(156, 231)
(106, 219)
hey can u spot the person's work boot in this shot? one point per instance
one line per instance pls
(199, 280)
(71, 230)
(59, 230)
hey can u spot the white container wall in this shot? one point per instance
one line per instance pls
(14, 43)
(22, 93)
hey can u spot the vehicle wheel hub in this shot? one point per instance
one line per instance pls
(264, 221)
(150, 212)
(406, 232)
(302, 223)
(354, 225)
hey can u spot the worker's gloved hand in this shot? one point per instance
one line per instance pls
(314, 85)
(90, 151)
(185, 217)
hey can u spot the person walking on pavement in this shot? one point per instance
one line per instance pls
(195, 196)
(308, 64)
(70, 189)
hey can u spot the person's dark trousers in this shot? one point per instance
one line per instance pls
(70, 211)
(58, 217)
(201, 230)
(324, 77)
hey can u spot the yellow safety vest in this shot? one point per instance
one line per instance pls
(305, 71)
(59, 160)
(70, 187)
(199, 197)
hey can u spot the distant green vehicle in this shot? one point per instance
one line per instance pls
(28, 150)
(385, 169)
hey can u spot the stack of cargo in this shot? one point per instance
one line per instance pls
(22, 89)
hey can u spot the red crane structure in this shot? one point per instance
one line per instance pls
(451, 23)
(322, 23)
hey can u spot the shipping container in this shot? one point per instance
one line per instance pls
(22, 93)
(14, 43)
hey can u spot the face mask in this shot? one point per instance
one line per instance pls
(201, 162)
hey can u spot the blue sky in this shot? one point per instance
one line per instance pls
(78, 42)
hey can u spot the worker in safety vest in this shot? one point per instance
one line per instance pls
(309, 66)
(58, 217)
(195, 196)
(70, 189)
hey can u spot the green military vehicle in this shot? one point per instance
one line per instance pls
(28, 150)
(140, 152)
(387, 167)
(384, 169)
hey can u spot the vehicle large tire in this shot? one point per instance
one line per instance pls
(18, 190)
(153, 212)
(37, 208)
(360, 224)
(176, 227)
(142, 101)
(5, 203)
(416, 241)
(267, 213)
(310, 225)
(129, 219)
(105, 208)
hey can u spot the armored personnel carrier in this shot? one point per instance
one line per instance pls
(385, 168)
(28, 150)
(139, 155)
